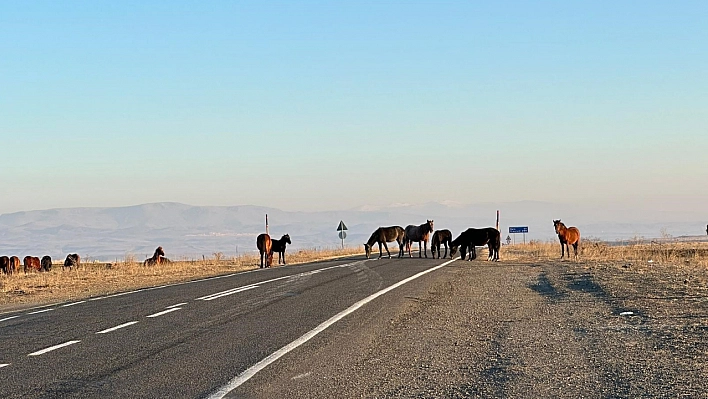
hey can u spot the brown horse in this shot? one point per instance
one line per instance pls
(265, 247)
(71, 261)
(15, 265)
(46, 263)
(471, 238)
(419, 234)
(32, 264)
(567, 236)
(279, 246)
(442, 237)
(382, 235)
(157, 259)
(4, 264)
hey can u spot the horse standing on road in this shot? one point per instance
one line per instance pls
(382, 235)
(567, 236)
(265, 247)
(419, 234)
(441, 237)
(279, 246)
(471, 238)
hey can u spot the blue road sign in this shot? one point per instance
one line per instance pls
(520, 229)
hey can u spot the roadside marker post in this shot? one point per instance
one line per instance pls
(342, 233)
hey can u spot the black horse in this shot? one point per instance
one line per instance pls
(442, 237)
(470, 238)
(279, 246)
(382, 235)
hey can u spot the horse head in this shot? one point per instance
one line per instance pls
(286, 238)
(430, 224)
(159, 252)
(367, 248)
(557, 225)
(453, 251)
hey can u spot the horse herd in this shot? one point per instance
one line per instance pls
(11, 264)
(465, 242)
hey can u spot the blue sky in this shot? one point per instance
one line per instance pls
(332, 105)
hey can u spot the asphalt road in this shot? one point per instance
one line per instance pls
(464, 330)
(185, 340)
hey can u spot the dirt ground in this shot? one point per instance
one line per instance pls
(518, 329)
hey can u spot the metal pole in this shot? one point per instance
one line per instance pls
(267, 224)
(497, 220)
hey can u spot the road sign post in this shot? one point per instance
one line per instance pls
(342, 233)
(519, 229)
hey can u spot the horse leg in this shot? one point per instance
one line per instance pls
(575, 249)
(387, 251)
(562, 250)
(380, 252)
(425, 248)
(261, 260)
(473, 253)
(444, 257)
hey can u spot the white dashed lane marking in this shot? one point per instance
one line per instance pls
(117, 327)
(51, 348)
(164, 312)
(4, 365)
(228, 292)
(174, 306)
(9, 318)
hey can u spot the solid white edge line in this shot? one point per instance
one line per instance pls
(9, 318)
(72, 304)
(164, 312)
(4, 365)
(41, 311)
(253, 370)
(130, 323)
(51, 348)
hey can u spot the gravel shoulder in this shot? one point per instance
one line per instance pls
(513, 329)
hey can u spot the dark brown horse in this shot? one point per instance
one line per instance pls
(382, 235)
(471, 238)
(441, 237)
(71, 261)
(567, 236)
(32, 264)
(157, 258)
(15, 265)
(4, 264)
(279, 246)
(419, 234)
(46, 263)
(265, 247)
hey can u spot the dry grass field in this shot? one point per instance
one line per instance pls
(95, 279)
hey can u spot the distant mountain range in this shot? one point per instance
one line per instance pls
(186, 231)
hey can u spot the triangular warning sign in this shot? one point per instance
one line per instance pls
(342, 226)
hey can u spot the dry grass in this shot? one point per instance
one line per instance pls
(95, 279)
(638, 250)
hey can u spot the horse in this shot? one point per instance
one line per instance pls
(441, 237)
(157, 258)
(419, 234)
(279, 246)
(32, 264)
(71, 261)
(5, 264)
(382, 235)
(46, 263)
(471, 238)
(265, 247)
(15, 265)
(567, 236)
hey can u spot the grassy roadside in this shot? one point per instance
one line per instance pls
(96, 279)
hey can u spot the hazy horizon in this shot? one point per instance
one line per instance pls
(318, 105)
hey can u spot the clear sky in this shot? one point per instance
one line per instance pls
(306, 105)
